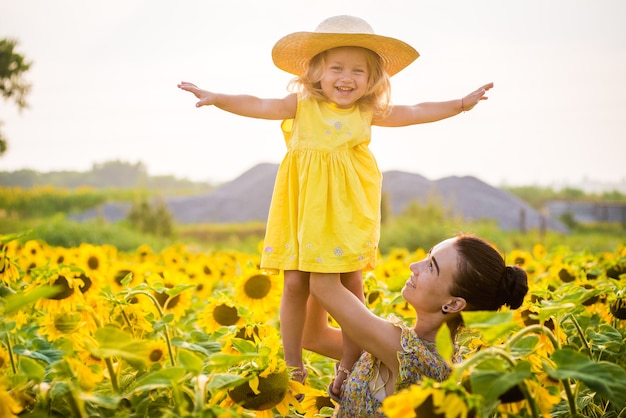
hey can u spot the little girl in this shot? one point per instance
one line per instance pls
(324, 218)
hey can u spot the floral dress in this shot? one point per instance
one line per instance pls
(325, 211)
(418, 359)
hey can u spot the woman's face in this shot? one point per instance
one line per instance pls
(345, 76)
(428, 287)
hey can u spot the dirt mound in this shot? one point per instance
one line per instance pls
(247, 198)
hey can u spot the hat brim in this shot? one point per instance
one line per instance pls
(293, 52)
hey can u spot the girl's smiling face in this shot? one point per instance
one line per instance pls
(345, 76)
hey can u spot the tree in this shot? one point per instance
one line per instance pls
(12, 86)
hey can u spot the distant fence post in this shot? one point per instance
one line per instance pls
(522, 220)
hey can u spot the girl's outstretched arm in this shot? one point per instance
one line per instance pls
(433, 111)
(244, 105)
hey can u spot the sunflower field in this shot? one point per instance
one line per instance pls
(95, 331)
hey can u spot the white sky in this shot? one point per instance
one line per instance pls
(104, 78)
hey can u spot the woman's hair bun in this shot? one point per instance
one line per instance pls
(513, 287)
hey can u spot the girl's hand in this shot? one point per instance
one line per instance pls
(207, 98)
(468, 102)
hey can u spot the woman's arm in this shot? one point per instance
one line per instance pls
(245, 105)
(432, 111)
(373, 334)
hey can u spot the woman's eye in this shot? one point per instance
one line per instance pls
(430, 266)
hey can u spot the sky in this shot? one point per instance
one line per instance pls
(104, 78)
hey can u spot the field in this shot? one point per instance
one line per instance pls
(143, 318)
(92, 330)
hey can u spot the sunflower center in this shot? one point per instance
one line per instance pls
(155, 355)
(119, 276)
(65, 291)
(93, 262)
(162, 298)
(67, 323)
(86, 284)
(257, 286)
(272, 390)
(225, 315)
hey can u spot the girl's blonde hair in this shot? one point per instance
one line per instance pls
(377, 95)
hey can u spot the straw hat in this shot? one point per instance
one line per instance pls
(293, 52)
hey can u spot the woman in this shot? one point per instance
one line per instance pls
(461, 273)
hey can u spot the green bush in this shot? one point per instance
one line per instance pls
(58, 231)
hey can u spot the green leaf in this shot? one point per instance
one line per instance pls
(25, 352)
(127, 279)
(227, 360)
(32, 369)
(176, 290)
(492, 325)
(221, 381)
(605, 378)
(190, 361)
(108, 401)
(244, 346)
(492, 383)
(444, 343)
(18, 301)
(550, 309)
(114, 342)
(162, 378)
(206, 348)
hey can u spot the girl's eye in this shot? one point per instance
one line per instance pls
(430, 266)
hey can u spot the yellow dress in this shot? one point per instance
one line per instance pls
(325, 211)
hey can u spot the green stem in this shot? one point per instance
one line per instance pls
(160, 311)
(107, 360)
(127, 320)
(542, 329)
(112, 374)
(10, 351)
(581, 334)
(495, 351)
(75, 406)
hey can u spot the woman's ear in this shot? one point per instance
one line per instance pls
(456, 305)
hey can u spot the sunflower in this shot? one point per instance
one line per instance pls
(260, 293)
(92, 259)
(145, 253)
(9, 272)
(74, 326)
(32, 255)
(88, 375)
(177, 304)
(445, 399)
(68, 282)
(157, 352)
(174, 257)
(204, 274)
(134, 315)
(264, 393)
(9, 407)
(122, 269)
(393, 272)
(5, 360)
(221, 311)
(314, 401)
